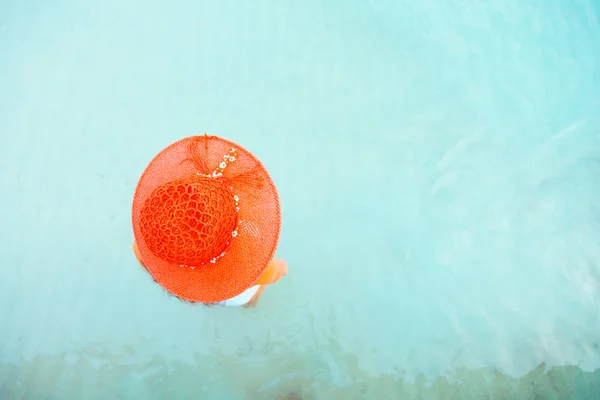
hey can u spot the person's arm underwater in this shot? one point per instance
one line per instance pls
(275, 271)
(136, 251)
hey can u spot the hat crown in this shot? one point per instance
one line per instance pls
(189, 222)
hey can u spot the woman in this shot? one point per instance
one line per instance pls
(206, 220)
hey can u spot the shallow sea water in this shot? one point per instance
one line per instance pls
(438, 164)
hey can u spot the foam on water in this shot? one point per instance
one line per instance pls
(438, 166)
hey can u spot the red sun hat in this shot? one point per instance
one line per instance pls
(206, 219)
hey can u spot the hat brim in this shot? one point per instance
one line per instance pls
(259, 219)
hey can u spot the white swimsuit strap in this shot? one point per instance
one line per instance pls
(239, 300)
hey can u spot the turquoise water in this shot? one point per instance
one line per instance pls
(438, 164)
